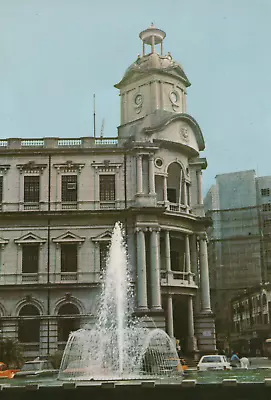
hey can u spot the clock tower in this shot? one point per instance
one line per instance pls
(154, 83)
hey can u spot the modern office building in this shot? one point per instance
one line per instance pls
(60, 199)
(239, 239)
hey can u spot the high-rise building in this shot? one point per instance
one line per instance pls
(239, 239)
(61, 197)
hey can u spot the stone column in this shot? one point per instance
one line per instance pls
(204, 275)
(194, 254)
(181, 187)
(165, 189)
(190, 325)
(199, 186)
(139, 174)
(170, 328)
(151, 175)
(185, 195)
(142, 302)
(167, 251)
(187, 258)
(155, 270)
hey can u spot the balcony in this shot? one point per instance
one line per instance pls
(175, 208)
(177, 278)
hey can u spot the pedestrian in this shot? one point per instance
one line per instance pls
(235, 360)
(244, 361)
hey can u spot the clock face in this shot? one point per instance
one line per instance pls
(174, 97)
(138, 99)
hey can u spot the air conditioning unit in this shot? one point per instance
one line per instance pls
(71, 186)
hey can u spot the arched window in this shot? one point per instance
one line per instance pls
(29, 324)
(178, 189)
(68, 321)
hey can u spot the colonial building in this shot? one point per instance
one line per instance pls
(61, 197)
(251, 319)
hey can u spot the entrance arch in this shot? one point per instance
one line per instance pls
(68, 321)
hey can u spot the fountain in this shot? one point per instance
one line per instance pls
(118, 346)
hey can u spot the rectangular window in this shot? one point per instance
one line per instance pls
(175, 260)
(69, 257)
(32, 189)
(1, 188)
(107, 188)
(30, 260)
(104, 247)
(266, 223)
(69, 188)
(267, 207)
(265, 192)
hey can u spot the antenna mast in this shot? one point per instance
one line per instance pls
(94, 117)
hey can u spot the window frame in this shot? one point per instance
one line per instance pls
(32, 195)
(107, 193)
(24, 267)
(66, 192)
(71, 268)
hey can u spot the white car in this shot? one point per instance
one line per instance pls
(213, 362)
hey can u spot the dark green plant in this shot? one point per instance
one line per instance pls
(11, 353)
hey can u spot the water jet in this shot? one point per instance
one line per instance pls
(118, 346)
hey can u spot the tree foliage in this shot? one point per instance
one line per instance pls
(11, 353)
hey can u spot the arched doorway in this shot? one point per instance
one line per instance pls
(68, 321)
(29, 324)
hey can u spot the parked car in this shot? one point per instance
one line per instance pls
(213, 362)
(5, 372)
(36, 368)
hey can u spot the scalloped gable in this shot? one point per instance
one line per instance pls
(69, 237)
(102, 237)
(28, 238)
(164, 131)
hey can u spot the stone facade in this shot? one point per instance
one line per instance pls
(60, 199)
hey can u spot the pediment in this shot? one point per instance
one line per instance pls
(3, 242)
(29, 238)
(69, 237)
(103, 237)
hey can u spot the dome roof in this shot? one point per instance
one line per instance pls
(154, 62)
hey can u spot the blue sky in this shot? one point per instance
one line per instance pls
(56, 53)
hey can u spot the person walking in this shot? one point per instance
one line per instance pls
(244, 361)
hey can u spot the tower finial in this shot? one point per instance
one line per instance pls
(152, 36)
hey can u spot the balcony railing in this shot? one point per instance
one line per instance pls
(65, 206)
(55, 142)
(42, 278)
(68, 276)
(30, 277)
(177, 278)
(175, 207)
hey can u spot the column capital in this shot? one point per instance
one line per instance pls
(202, 236)
(141, 229)
(154, 229)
